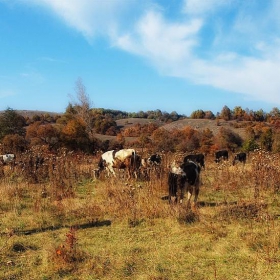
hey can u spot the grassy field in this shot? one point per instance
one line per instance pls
(69, 225)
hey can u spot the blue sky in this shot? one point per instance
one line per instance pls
(171, 55)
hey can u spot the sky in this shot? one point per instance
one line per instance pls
(132, 55)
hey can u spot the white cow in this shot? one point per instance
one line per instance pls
(122, 159)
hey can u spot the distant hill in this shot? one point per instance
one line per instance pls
(198, 124)
(202, 124)
(31, 113)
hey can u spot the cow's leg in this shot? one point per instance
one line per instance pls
(183, 187)
(110, 171)
(190, 192)
(196, 193)
(172, 184)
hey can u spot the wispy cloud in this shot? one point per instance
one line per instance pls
(50, 59)
(241, 53)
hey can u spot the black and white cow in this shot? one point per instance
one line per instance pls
(154, 159)
(8, 159)
(122, 159)
(183, 178)
(241, 157)
(198, 158)
(222, 154)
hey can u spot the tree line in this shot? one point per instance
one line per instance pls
(77, 129)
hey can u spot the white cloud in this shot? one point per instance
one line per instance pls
(163, 43)
(243, 57)
(90, 17)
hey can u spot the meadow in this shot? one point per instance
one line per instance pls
(63, 223)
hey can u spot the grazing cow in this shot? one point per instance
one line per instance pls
(223, 154)
(198, 158)
(151, 165)
(241, 157)
(122, 159)
(8, 158)
(154, 159)
(182, 178)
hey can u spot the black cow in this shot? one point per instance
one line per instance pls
(154, 159)
(223, 154)
(182, 178)
(198, 158)
(241, 157)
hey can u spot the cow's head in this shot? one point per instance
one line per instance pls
(101, 164)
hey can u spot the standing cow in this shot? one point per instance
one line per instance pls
(222, 154)
(184, 178)
(122, 159)
(241, 157)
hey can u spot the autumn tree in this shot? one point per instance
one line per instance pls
(39, 133)
(74, 136)
(11, 123)
(226, 138)
(266, 139)
(209, 115)
(206, 140)
(225, 113)
(187, 139)
(238, 113)
(163, 140)
(198, 114)
(14, 143)
(259, 116)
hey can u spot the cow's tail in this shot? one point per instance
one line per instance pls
(101, 164)
(133, 163)
(133, 160)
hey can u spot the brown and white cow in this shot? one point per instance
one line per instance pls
(122, 159)
(183, 178)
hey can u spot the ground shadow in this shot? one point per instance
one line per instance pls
(53, 228)
(207, 203)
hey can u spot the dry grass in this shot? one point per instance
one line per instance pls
(73, 227)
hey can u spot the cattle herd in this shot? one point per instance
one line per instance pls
(183, 176)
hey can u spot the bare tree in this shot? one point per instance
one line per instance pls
(83, 107)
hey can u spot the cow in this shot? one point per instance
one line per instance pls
(184, 177)
(222, 154)
(8, 158)
(151, 165)
(122, 159)
(198, 158)
(241, 157)
(154, 159)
